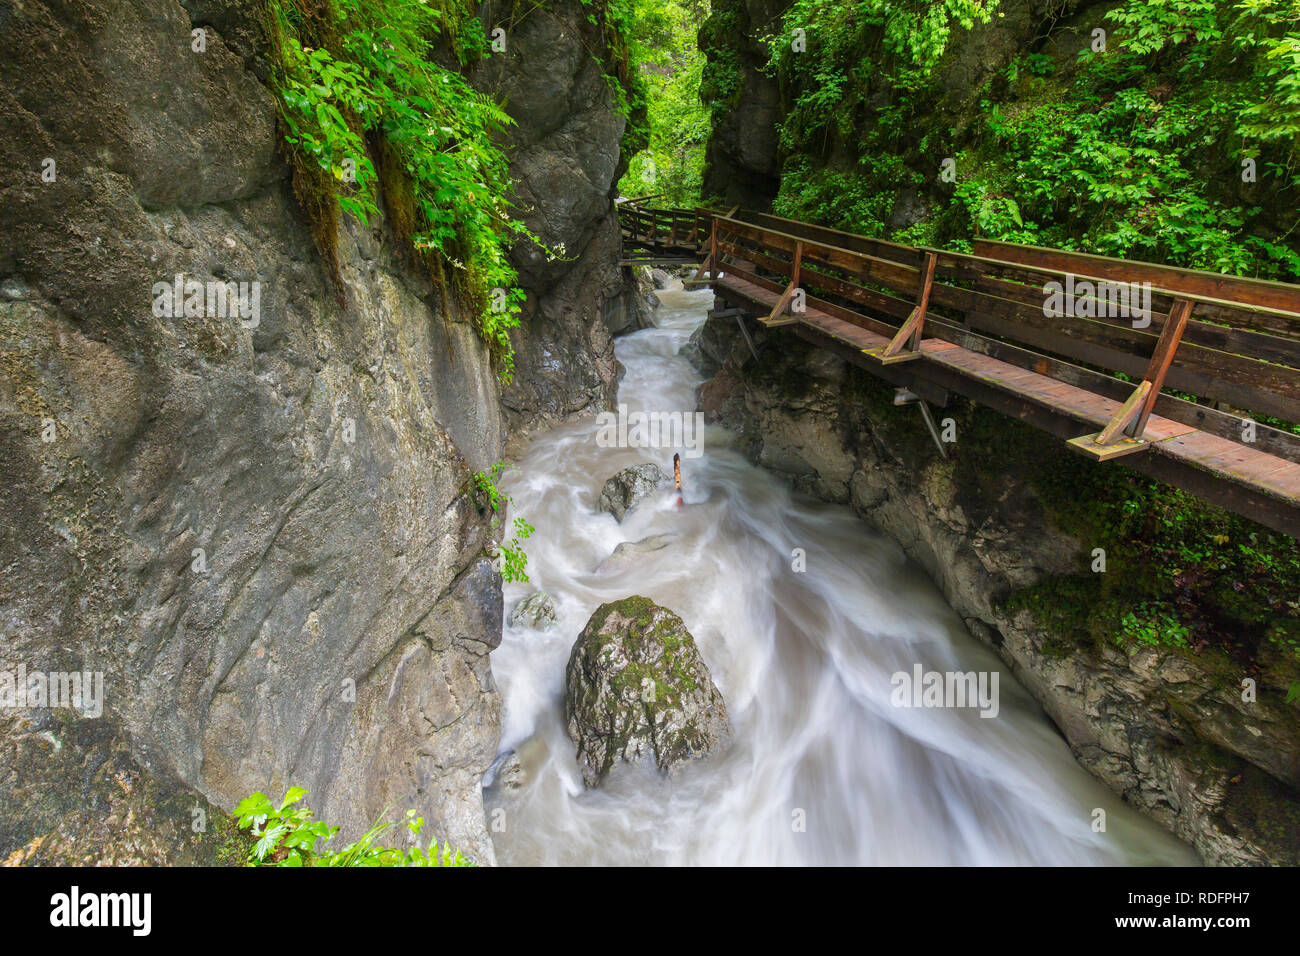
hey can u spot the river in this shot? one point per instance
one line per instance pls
(824, 769)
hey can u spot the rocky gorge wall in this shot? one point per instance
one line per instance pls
(567, 156)
(1166, 728)
(742, 161)
(262, 533)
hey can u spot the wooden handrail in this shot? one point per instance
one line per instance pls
(1235, 345)
(1190, 283)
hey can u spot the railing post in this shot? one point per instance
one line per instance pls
(711, 258)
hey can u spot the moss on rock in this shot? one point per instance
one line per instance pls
(635, 687)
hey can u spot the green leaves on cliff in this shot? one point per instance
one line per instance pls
(288, 836)
(908, 36)
(508, 556)
(371, 116)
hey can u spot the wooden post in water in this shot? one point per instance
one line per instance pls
(677, 477)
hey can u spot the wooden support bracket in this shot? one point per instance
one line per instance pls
(778, 315)
(697, 279)
(1123, 433)
(906, 344)
(711, 258)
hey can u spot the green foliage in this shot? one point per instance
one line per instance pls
(721, 78)
(288, 836)
(670, 67)
(1268, 35)
(347, 71)
(513, 562)
(908, 36)
(1154, 626)
(841, 200)
(1151, 25)
(1134, 151)
(1180, 572)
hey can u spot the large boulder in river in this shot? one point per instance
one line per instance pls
(630, 487)
(637, 687)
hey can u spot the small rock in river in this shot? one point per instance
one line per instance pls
(536, 611)
(630, 487)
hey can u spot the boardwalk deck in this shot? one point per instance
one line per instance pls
(976, 327)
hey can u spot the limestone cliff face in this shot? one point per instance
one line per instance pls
(1167, 730)
(566, 157)
(260, 531)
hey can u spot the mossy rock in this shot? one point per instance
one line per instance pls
(636, 687)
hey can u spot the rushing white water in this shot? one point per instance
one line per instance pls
(823, 769)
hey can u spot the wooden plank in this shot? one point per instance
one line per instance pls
(1242, 334)
(867, 323)
(1258, 487)
(816, 279)
(902, 277)
(980, 270)
(1270, 440)
(1243, 465)
(913, 327)
(1099, 344)
(861, 295)
(1114, 440)
(775, 316)
(1242, 381)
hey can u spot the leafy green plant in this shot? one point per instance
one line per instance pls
(288, 836)
(512, 561)
(1153, 626)
(669, 68)
(349, 72)
(1135, 150)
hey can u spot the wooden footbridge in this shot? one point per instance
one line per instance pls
(1172, 369)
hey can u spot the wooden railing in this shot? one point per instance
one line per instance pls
(1190, 359)
(669, 230)
(1230, 341)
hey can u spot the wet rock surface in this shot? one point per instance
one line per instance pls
(565, 157)
(625, 555)
(260, 533)
(536, 611)
(624, 491)
(637, 688)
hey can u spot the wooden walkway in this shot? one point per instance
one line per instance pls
(1165, 368)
